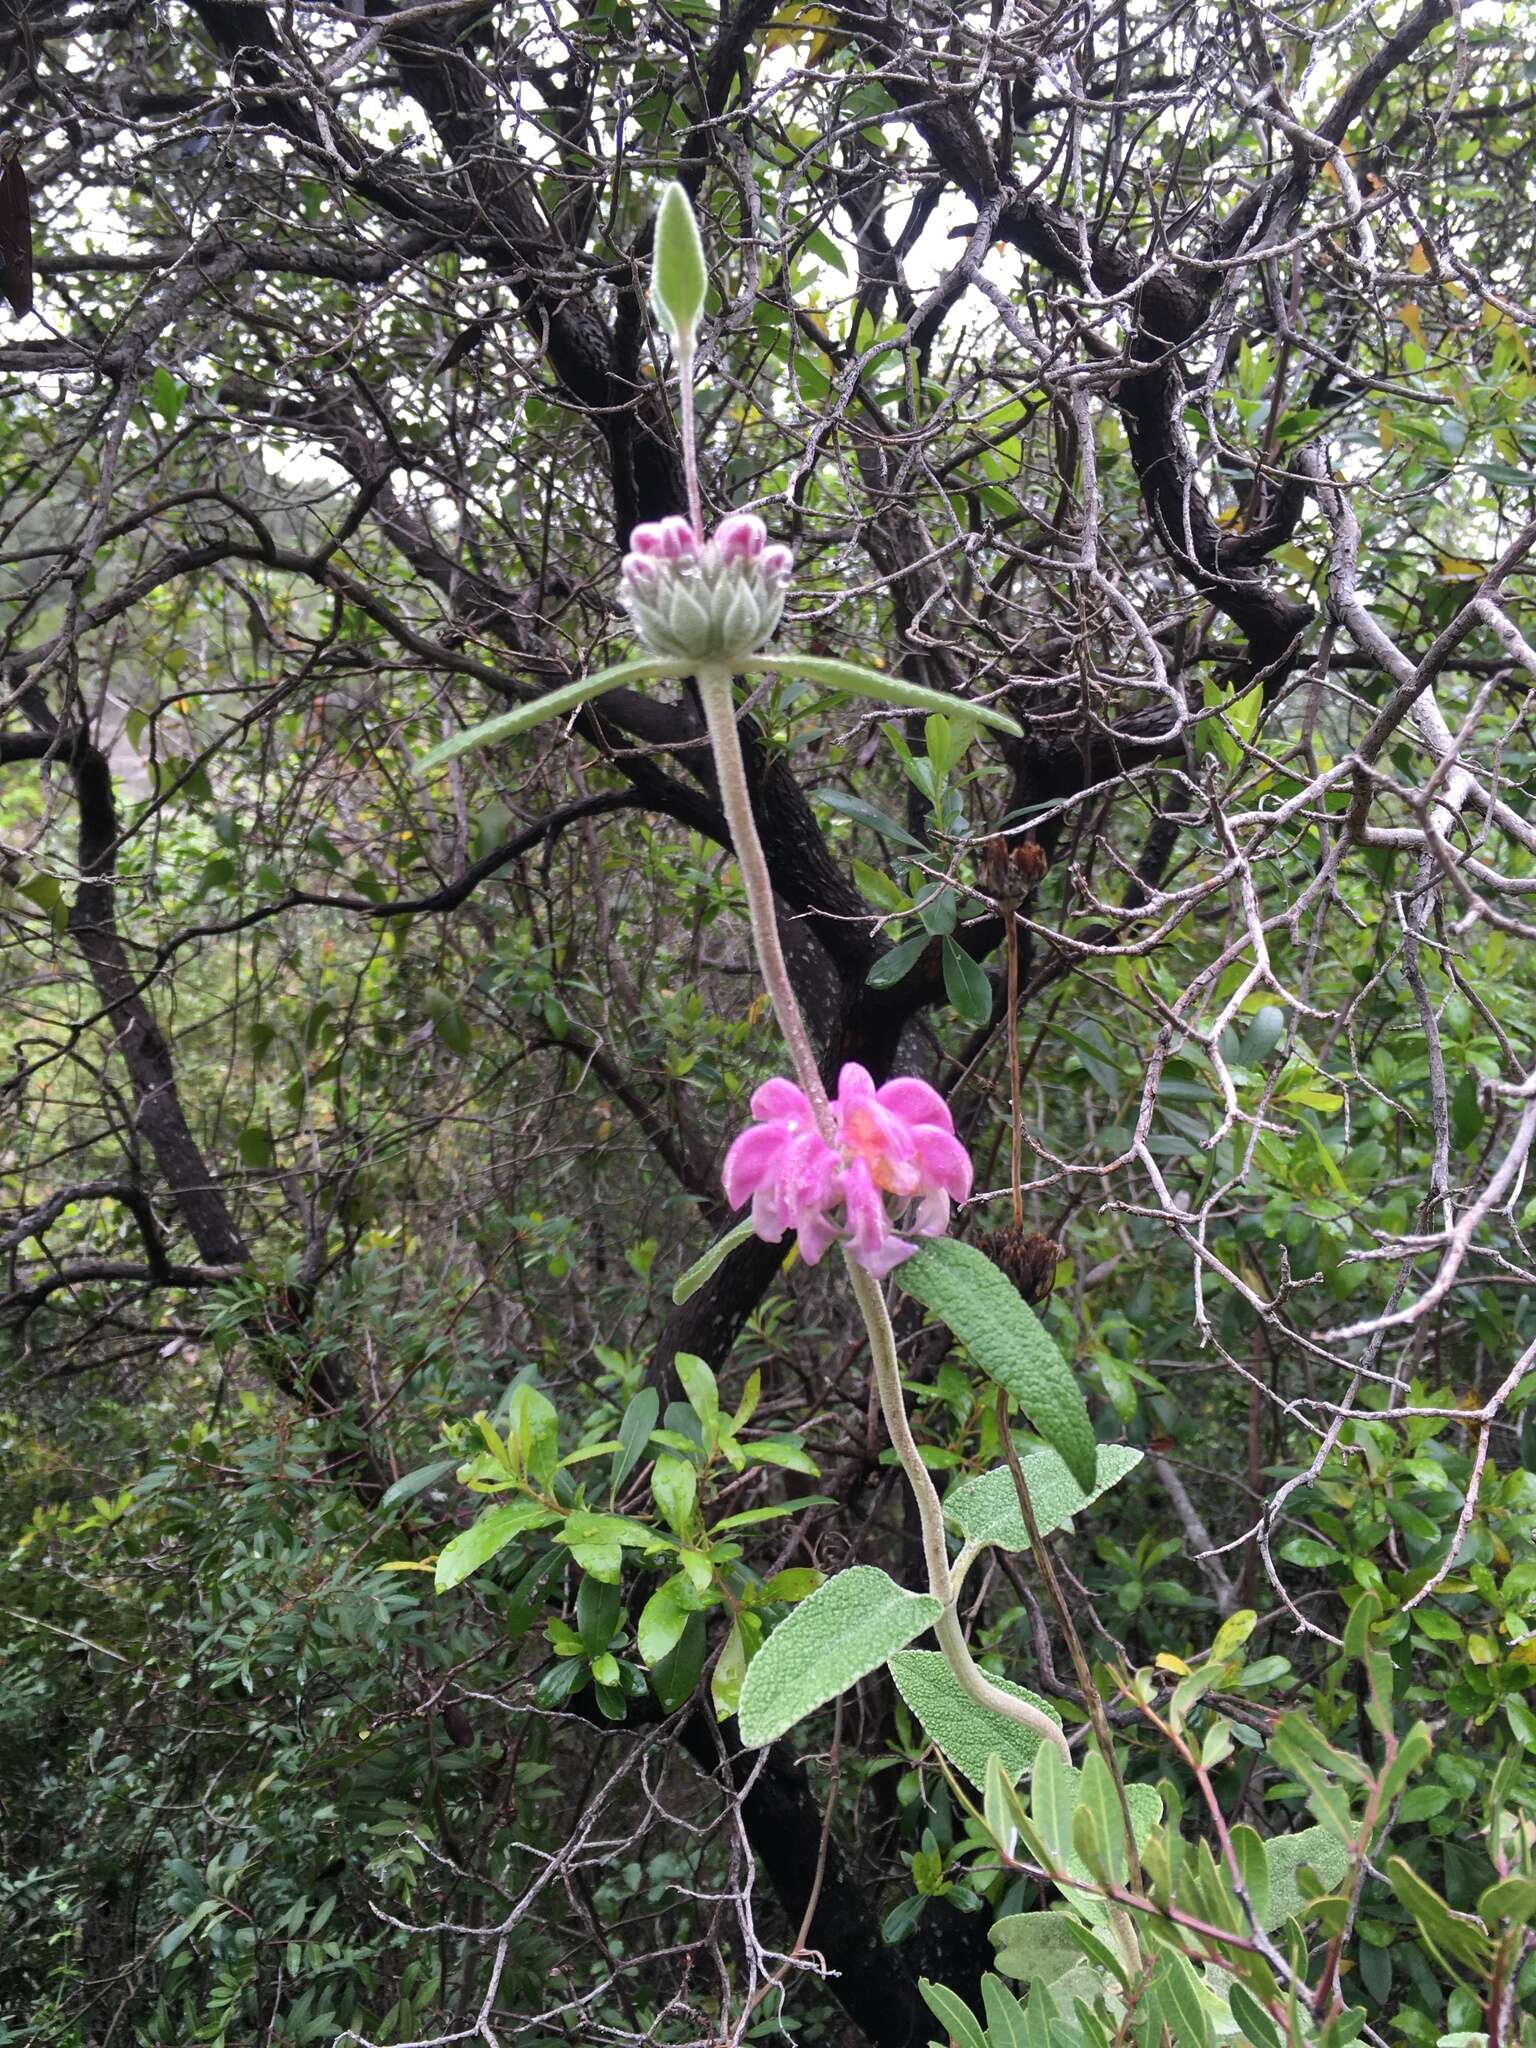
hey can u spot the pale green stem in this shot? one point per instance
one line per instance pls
(682, 350)
(736, 802)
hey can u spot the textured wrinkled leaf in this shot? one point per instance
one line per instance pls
(986, 1509)
(692, 1278)
(990, 1317)
(679, 272)
(570, 697)
(1034, 1947)
(480, 1542)
(1320, 1849)
(836, 1636)
(967, 1733)
(852, 680)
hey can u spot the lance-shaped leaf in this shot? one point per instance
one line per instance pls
(692, 1278)
(855, 681)
(843, 1631)
(569, 697)
(986, 1509)
(966, 1732)
(1005, 1338)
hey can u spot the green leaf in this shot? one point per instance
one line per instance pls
(703, 1394)
(1001, 1332)
(675, 1676)
(986, 1509)
(838, 1635)
(898, 963)
(675, 1488)
(635, 1428)
(570, 697)
(664, 1617)
(967, 1733)
(966, 985)
(679, 272)
(952, 2014)
(1006, 2024)
(1454, 1937)
(692, 1278)
(1320, 1850)
(1175, 1993)
(483, 1539)
(412, 1483)
(866, 814)
(852, 680)
(1253, 1868)
(166, 394)
(1253, 2019)
(1097, 1795)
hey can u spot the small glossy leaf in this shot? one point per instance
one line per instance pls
(838, 1635)
(635, 1428)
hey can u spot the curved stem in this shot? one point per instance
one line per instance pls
(736, 802)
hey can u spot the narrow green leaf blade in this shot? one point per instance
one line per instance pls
(966, 985)
(853, 680)
(570, 697)
(967, 1733)
(838, 1635)
(692, 1278)
(1001, 1332)
(952, 2014)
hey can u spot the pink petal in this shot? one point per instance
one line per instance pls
(755, 1159)
(741, 537)
(780, 1098)
(776, 561)
(854, 1086)
(915, 1102)
(943, 1162)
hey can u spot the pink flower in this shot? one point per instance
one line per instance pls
(741, 537)
(896, 1142)
(664, 540)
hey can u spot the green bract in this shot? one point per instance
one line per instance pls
(679, 273)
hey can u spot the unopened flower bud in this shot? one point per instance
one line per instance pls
(705, 602)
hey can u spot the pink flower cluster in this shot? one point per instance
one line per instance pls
(895, 1141)
(742, 537)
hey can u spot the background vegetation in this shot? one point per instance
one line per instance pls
(1162, 372)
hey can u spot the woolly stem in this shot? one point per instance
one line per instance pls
(736, 802)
